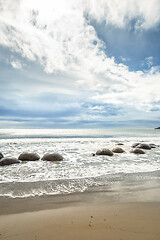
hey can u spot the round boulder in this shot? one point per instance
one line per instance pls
(8, 161)
(144, 146)
(1, 155)
(52, 157)
(152, 145)
(137, 151)
(26, 156)
(135, 145)
(104, 151)
(118, 150)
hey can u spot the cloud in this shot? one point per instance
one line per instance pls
(149, 61)
(58, 37)
(126, 12)
(16, 64)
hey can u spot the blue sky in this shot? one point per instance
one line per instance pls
(79, 64)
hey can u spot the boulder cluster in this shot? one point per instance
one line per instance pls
(29, 156)
(137, 148)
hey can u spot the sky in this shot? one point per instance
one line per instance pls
(79, 63)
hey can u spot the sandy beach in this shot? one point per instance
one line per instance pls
(116, 214)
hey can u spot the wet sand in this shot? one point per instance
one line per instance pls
(118, 213)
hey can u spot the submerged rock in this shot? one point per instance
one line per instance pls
(118, 150)
(144, 146)
(120, 144)
(104, 151)
(26, 156)
(1, 155)
(8, 161)
(135, 145)
(137, 151)
(52, 157)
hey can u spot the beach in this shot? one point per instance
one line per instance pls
(120, 212)
(84, 196)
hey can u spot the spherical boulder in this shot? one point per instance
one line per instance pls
(8, 161)
(137, 151)
(135, 145)
(52, 157)
(152, 145)
(144, 146)
(104, 151)
(29, 156)
(1, 155)
(118, 150)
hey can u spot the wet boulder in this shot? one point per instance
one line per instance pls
(104, 151)
(135, 145)
(152, 145)
(144, 146)
(137, 151)
(1, 155)
(8, 161)
(29, 156)
(118, 150)
(52, 157)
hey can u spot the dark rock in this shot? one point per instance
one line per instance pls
(52, 157)
(27, 156)
(152, 145)
(104, 152)
(8, 161)
(157, 128)
(120, 144)
(135, 145)
(118, 150)
(137, 151)
(93, 154)
(144, 146)
(1, 155)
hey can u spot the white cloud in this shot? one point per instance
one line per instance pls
(16, 64)
(56, 35)
(149, 61)
(120, 13)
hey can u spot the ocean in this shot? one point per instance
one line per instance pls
(79, 171)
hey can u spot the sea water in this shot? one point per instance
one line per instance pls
(79, 170)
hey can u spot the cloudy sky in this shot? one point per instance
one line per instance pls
(79, 63)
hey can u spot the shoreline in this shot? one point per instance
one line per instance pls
(130, 189)
(124, 211)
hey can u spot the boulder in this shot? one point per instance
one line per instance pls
(135, 145)
(53, 157)
(104, 151)
(118, 150)
(8, 161)
(28, 156)
(120, 144)
(152, 145)
(137, 151)
(1, 155)
(144, 146)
